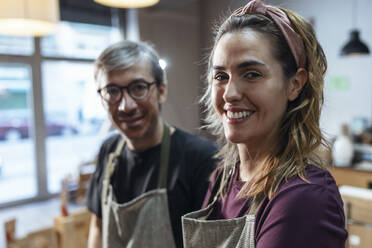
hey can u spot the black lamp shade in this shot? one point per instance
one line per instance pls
(354, 46)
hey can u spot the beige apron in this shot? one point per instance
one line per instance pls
(198, 232)
(144, 221)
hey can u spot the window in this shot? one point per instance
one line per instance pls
(77, 40)
(16, 45)
(50, 113)
(73, 118)
(17, 165)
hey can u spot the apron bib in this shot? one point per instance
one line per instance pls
(198, 232)
(143, 221)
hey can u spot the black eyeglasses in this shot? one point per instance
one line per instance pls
(112, 94)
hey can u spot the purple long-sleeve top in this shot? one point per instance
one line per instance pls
(301, 214)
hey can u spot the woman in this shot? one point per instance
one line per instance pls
(266, 74)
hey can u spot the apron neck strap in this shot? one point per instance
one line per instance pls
(164, 157)
(215, 192)
(110, 167)
(256, 202)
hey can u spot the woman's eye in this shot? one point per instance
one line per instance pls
(220, 77)
(252, 75)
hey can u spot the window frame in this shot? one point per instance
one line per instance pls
(38, 127)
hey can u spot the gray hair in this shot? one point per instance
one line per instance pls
(125, 54)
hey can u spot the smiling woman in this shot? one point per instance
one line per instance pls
(264, 96)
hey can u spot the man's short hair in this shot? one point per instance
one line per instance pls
(125, 54)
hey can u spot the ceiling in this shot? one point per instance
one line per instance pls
(87, 11)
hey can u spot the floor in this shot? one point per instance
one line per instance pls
(33, 216)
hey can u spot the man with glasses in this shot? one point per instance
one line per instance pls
(150, 174)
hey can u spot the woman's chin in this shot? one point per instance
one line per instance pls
(234, 138)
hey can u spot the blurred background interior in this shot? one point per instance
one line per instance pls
(52, 121)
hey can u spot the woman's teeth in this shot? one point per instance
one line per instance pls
(237, 115)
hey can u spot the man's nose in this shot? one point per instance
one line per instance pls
(127, 103)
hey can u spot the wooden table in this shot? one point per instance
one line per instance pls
(352, 176)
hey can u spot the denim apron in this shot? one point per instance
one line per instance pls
(198, 232)
(144, 221)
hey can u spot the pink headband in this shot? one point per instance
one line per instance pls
(293, 39)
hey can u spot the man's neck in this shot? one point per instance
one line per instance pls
(150, 139)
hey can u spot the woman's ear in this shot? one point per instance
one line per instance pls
(296, 83)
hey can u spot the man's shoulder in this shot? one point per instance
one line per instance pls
(110, 142)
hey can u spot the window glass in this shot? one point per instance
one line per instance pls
(78, 40)
(16, 45)
(74, 116)
(17, 166)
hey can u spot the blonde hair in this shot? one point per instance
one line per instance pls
(300, 133)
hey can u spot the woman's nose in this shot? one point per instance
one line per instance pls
(232, 92)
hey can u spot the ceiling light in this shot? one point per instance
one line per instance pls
(163, 64)
(28, 17)
(354, 46)
(127, 3)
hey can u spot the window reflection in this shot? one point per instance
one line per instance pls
(16, 45)
(78, 40)
(74, 111)
(16, 147)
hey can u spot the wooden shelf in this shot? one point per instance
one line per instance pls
(351, 176)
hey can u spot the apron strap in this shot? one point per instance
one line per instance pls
(256, 202)
(215, 192)
(110, 167)
(164, 157)
(163, 170)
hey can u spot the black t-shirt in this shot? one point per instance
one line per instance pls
(190, 165)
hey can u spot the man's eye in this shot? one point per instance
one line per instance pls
(112, 91)
(138, 87)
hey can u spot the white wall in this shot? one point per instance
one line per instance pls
(175, 33)
(333, 22)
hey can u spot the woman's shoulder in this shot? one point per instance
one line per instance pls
(313, 204)
(316, 188)
(313, 176)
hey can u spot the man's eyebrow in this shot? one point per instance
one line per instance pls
(140, 80)
(136, 80)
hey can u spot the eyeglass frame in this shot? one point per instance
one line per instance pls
(121, 88)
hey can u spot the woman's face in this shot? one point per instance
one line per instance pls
(249, 90)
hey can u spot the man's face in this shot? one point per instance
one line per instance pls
(136, 119)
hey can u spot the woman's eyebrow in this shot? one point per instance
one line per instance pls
(242, 65)
(218, 67)
(250, 63)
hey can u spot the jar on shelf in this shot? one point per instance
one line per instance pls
(343, 148)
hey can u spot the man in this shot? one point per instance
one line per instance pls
(150, 174)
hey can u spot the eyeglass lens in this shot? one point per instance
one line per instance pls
(113, 93)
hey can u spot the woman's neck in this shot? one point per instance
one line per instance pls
(250, 162)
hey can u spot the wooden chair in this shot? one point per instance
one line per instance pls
(73, 230)
(358, 214)
(43, 238)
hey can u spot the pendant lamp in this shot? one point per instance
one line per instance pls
(354, 46)
(127, 3)
(28, 17)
